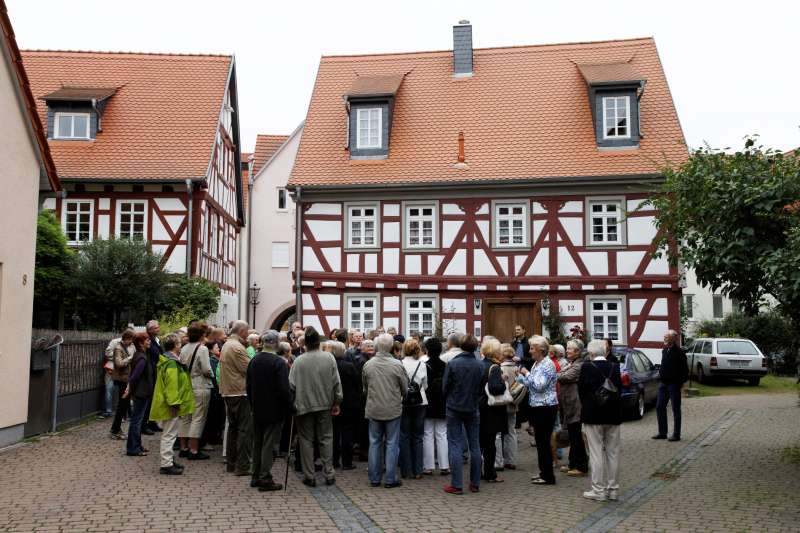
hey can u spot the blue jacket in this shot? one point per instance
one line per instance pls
(463, 383)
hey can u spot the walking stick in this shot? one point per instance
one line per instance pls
(289, 454)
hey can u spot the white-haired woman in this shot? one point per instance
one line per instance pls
(493, 419)
(570, 409)
(541, 382)
(601, 413)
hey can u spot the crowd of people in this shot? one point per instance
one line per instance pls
(409, 407)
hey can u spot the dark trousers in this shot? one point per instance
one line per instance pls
(578, 460)
(134, 444)
(215, 420)
(412, 429)
(488, 448)
(544, 418)
(265, 438)
(240, 431)
(285, 434)
(669, 392)
(344, 427)
(123, 406)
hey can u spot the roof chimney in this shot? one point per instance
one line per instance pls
(462, 48)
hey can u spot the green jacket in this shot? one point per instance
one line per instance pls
(173, 388)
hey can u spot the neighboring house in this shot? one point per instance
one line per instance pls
(147, 146)
(272, 257)
(471, 189)
(700, 303)
(27, 171)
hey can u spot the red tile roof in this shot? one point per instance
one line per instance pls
(375, 85)
(524, 114)
(266, 146)
(10, 44)
(80, 94)
(602, 73)
(159, 125)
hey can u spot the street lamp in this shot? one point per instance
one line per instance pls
(253, 292)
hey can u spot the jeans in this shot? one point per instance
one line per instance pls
(108, 396)
(134, 445)
(506, 445)
(412, 429)
(434, 444)
(239, 442)
(344, 428)
(544, 418)
(265, 437)
(669, 392)
(123, 406)
(462, 433)
(577, 450)
(603, 443)
(380, 460)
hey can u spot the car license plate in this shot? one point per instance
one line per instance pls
(736, 363)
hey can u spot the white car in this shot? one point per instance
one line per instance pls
(729, 358)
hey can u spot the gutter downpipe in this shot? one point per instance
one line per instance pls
(189, 243)
(249, 226)
(298, 256)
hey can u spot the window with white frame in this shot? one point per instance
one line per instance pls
(362, 312)
(282, 199)
(606, 317)
(510, 225)
(616, 117)
(688, 305)
(280, 254)
(420, 225)
(420, 315)
(131, 220)
(368, 127)
(77, 220)
(213, 230)
(362, 226)
(71, 126)
(605, 226)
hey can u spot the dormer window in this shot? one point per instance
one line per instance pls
(368, 122)
(71, 126)
(616, 117)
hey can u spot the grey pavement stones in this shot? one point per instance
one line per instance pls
(727, 475)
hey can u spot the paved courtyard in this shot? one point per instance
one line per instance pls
(726, 475)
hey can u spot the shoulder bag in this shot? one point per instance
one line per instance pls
(500, 399)
(413, 392)
(605, 392)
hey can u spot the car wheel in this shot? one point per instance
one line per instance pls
(753, 382)
(639, 413)
(701, 376)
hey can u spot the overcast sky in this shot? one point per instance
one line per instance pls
(732, 66)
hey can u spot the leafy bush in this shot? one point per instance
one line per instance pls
(54, 262)
(195, 296)
(771, 331)
(554, 324)
(172, 321)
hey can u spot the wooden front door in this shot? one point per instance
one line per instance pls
(501, 315)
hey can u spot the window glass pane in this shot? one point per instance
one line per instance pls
(64, 126)
(80, 126)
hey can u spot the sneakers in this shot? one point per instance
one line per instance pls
(199, 456)
(119, 435)
(576, 473)
(170, 470)
(592, 495)
(270, 486)
(612, 494)
(450, 489)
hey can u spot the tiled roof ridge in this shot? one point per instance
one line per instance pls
(143, 55)
(500, 49)
(274, 135)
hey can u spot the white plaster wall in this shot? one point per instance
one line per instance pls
(654, 330)
(641, 230)
(449, 230)
(482, 265)
(177, 259)
(269, 225)
(103, 225)
(574, 228)
(566, 265)
(450, 209)
(391, 304)
(413, 264)
(457, 265)
(19, 178)
(628, 262)
(315, 209)
(391, 261)
(170, 204)
(325, 230)
(541, 263)
(391, 231)
(454, 305)
(596, 262)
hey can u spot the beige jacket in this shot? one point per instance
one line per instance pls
(122, 357)
(233, 363)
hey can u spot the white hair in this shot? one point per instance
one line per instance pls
(239, 325)
(540, 342)
(559, 349)
(337, 348)
(151, 324)
(575, 343)
(269, 338)
(367, 342)
(596, 348)
(384, 343)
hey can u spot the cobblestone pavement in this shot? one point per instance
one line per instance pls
(726, 475)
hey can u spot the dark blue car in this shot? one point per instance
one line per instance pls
(639, 380)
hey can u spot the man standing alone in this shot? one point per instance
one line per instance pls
(314, 379)
(232, 386)
(270, 401)
(674, 372)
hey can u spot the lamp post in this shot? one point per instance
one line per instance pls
(253, 292)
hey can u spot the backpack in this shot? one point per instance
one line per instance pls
(605, 392)
(413, 392)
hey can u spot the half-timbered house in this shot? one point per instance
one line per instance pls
(147, 146)
(475, 189)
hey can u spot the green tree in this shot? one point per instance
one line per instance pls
(54, 262)
(116, 281)
(194, 295)
(734, 219)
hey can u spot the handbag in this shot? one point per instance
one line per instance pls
(413, 392)
(607, 390)
(499, 399)
(518, 392)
